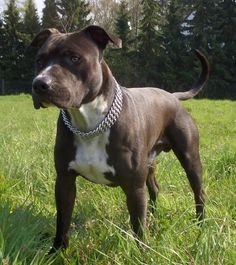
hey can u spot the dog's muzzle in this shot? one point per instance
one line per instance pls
(40, 90)
(40, 85)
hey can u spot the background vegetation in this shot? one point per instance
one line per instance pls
(100, 231)
(158, 39)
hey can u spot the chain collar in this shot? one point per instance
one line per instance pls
(106, 123)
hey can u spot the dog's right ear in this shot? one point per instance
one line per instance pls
(101, 37)
(43, 35)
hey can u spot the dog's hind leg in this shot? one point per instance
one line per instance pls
(191, 163)
(152, 186)
(184, 141)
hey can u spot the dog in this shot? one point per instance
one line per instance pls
(106, 133)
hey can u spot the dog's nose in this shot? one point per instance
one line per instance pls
(40, 85)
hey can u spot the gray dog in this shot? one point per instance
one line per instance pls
(106, 133)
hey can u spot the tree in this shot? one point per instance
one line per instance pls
(148, 41)
(120, 60)
(158, 37)
(202, 30)
(174, 48)
(134, 13)
(31, 26)
(122, 27)
(148, 26)
(50, 17)
(75, 14)
(2, 47)
(12, 48)
(226, 41)
(211, 30)
(31, 20)
(104, 12)
(12, 22)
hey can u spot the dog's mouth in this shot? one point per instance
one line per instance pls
(46, 94)
(40, 101)
(46, 100)
(46, 104)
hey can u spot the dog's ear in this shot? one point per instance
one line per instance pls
(101, 37)
(43, 35)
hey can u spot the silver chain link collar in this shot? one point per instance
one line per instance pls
(106, 123)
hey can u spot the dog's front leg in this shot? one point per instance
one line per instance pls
(137, 206)
(65, 192)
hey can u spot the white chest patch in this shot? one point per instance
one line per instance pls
(91, 159)
(91, 155)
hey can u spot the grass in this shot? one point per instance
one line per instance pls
(100, 231)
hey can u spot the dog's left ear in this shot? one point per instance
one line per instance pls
(101, 37)
(42, 36)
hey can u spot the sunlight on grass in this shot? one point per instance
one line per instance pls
(100, 231)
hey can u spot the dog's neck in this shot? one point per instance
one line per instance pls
(89, 115)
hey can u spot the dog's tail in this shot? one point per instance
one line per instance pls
(197, 87)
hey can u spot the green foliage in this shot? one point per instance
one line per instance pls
(122, 28)
(148, 29)
(226, 40)
(173, 56)
(148, 47)
(212, 27)
(31, 19)
(100, 232)
(17, 33)
(12, 46)
(120, 60)
(74, 14)
(31, 26)
(202, 24)
(158, 39)
(50, 17)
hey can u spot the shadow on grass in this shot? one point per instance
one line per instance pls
(24, 234)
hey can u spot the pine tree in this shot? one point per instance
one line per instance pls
(202, 30)
(75, 14)
(50, 17)
(12, 48)
(120, 60)
(31, 26)
(212, 27)
(148, 27)
(134, 13)
(148, 41)
(2, 47)
(12, 22)
(174, 47)
(122, 28)
(31, 19)
(226, 41)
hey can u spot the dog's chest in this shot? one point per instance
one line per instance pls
(91, 159)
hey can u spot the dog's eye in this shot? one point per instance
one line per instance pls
(39, 62)
(74, 59)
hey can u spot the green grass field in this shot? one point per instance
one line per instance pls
(100, 232)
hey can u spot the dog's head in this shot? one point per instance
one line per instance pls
(68, 66)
